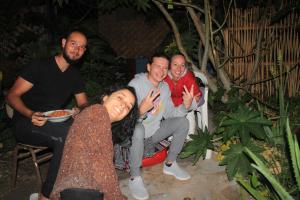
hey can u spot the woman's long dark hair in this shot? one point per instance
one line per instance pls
(122, 130)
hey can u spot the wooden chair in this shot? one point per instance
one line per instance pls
(21, 151)
(37, 153)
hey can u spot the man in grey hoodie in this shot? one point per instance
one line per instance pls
(155, 104)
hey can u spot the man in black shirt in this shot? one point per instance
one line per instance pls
(48, 85)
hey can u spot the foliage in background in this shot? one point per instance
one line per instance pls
(189, 40)
(281, 192)
(279, 171)
(101, 66)
(263, 131)
(27, 34)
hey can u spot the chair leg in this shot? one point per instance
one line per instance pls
(37, 169)
(15, 166)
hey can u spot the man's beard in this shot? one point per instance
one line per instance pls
(68, 59)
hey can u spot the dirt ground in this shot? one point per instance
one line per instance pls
(208, 182)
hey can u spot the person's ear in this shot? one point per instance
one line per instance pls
(148, 67)
(105, 98)
(63, 42)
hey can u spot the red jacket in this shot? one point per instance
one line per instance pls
(188, 79)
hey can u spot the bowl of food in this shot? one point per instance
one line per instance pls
(58, 115)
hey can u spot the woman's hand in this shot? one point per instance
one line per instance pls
(38, 119)
(188, 96)
(75, 111)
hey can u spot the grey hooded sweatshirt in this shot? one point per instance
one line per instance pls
(163, 105)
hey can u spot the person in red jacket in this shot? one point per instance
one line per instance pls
(178, 77)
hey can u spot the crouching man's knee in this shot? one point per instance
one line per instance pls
(183, 122)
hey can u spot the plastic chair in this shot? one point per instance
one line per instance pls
(202, 111)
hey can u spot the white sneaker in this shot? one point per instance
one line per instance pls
(34, 196)
(176, 171)
(137, 188)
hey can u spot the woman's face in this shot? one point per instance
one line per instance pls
(119, 104)
(177, 66)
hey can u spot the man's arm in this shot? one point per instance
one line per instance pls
(81, 100)
(13, 98)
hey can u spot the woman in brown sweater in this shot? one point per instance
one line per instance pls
(87, 161)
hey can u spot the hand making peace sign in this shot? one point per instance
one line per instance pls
(148, 101)
(188, 96)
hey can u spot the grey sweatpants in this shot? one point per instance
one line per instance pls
(177, 127)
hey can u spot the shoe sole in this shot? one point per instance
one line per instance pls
(140, 198)
(178, 178)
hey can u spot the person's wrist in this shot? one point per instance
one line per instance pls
(31, 113)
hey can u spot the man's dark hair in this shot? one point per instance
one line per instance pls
(157, 55)
(69, 32)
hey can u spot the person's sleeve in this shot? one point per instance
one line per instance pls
(197, 90)
(79, 85)
(139, 94)
(171, 110)
(192, 81)
(31, 72)
(105, 174)
(135, 84)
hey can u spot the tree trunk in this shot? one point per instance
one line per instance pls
(207, 38)
(211, 83)
(175, 30)
(222, 75)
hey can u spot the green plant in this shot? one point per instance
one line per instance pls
(251, 187)
(236, 161)
(262, 168)
(282, 190)
(244, 123)
(201, 141)
(294, 153)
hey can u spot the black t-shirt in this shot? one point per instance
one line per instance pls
(52, 88)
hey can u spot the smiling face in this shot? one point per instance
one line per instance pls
(74, 47)
(157, 70)
(177, 66)
(119, 104)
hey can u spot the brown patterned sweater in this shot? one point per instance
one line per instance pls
(87, 160)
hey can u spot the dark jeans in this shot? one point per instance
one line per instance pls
(50, 135)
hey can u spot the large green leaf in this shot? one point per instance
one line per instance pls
(245, 123)
(252, 190)
(294, 152)
(236, 161)
(262, 168)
